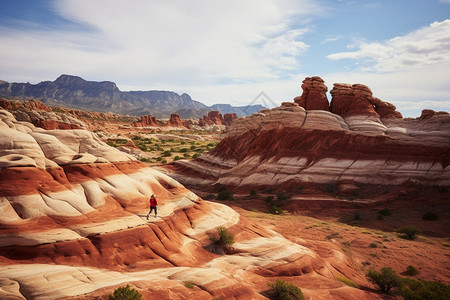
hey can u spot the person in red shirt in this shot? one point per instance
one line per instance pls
(153, 204)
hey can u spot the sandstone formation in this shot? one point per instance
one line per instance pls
(73, 224)
(147, 121)
(314, 95)
(288, 146)
(40, 115)
(175, 121)
(228, 118)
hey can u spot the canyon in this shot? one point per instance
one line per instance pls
(73, 208)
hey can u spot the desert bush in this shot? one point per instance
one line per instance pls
(176, 158)
(412, 289)
(282, 290)
(252, 192)
(275, 210)
(430, 216)
(347, 281)
(411, 271)
(125, 293)
(195, 155)
(225, 194)
(189, 284)
(409, 232)
(386, 279)
(166, 153)
(220, 243)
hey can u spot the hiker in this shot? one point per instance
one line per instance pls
(153, 204)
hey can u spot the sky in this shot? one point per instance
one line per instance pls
(234, 51)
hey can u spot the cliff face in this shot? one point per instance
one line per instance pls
(73, 224)
(361, 139)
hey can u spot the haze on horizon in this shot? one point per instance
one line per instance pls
(230, 52)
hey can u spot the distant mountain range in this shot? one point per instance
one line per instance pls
(75, 92)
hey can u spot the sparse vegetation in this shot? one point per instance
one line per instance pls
(282, 290)
(224, 194)
(384, 212)
(221, 242)
(125, 293)
(347, 281)
(409, 232)
(412, 289)
(411, 271)
(189, 284)
(386, 279)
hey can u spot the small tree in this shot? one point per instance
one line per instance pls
(281, 290)
(411, 271)
(409, 231)
(125, 293)
(386, 279)
(412, 289)
(221, 243)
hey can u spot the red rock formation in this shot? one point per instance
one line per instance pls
(54, 124)
(5, 104)
(353, 100)
(213, 117)
(228, 118)
(74, 208)
(147, 121)
(175, 121)
(314, 95)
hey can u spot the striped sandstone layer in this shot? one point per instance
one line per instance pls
(73, 225)
(290, 146)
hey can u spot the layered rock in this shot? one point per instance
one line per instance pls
(314, 95)
(175, 121)
(73, 224)
(288, 146)
(147, 121)
(228, 118)
(213, 117)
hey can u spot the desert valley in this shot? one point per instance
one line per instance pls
(313, 192)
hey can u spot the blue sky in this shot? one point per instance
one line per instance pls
(230, 51)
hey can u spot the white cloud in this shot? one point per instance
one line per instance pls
(426, 46)
(160, 43)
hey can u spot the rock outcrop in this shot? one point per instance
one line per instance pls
(175, 121)
(314, 95)
(73, 224)
(289, 146)
(147, 121)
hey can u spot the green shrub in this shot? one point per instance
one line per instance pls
(225, 194)
(411, 271)
(430, 216)
(166, 153)
(412, 289)
(189, 284)
(275, 210)
(347, 281)
(282, 197)
(176, 158)
(409, 232)
(282, 290)
(252, 192)
(195, 155)
(125, 293)
(386, 279)
(221, 243)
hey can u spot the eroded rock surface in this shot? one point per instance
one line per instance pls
(361, 140)
(73, 224)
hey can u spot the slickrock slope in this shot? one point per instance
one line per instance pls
(73, 225)
(361, 140)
